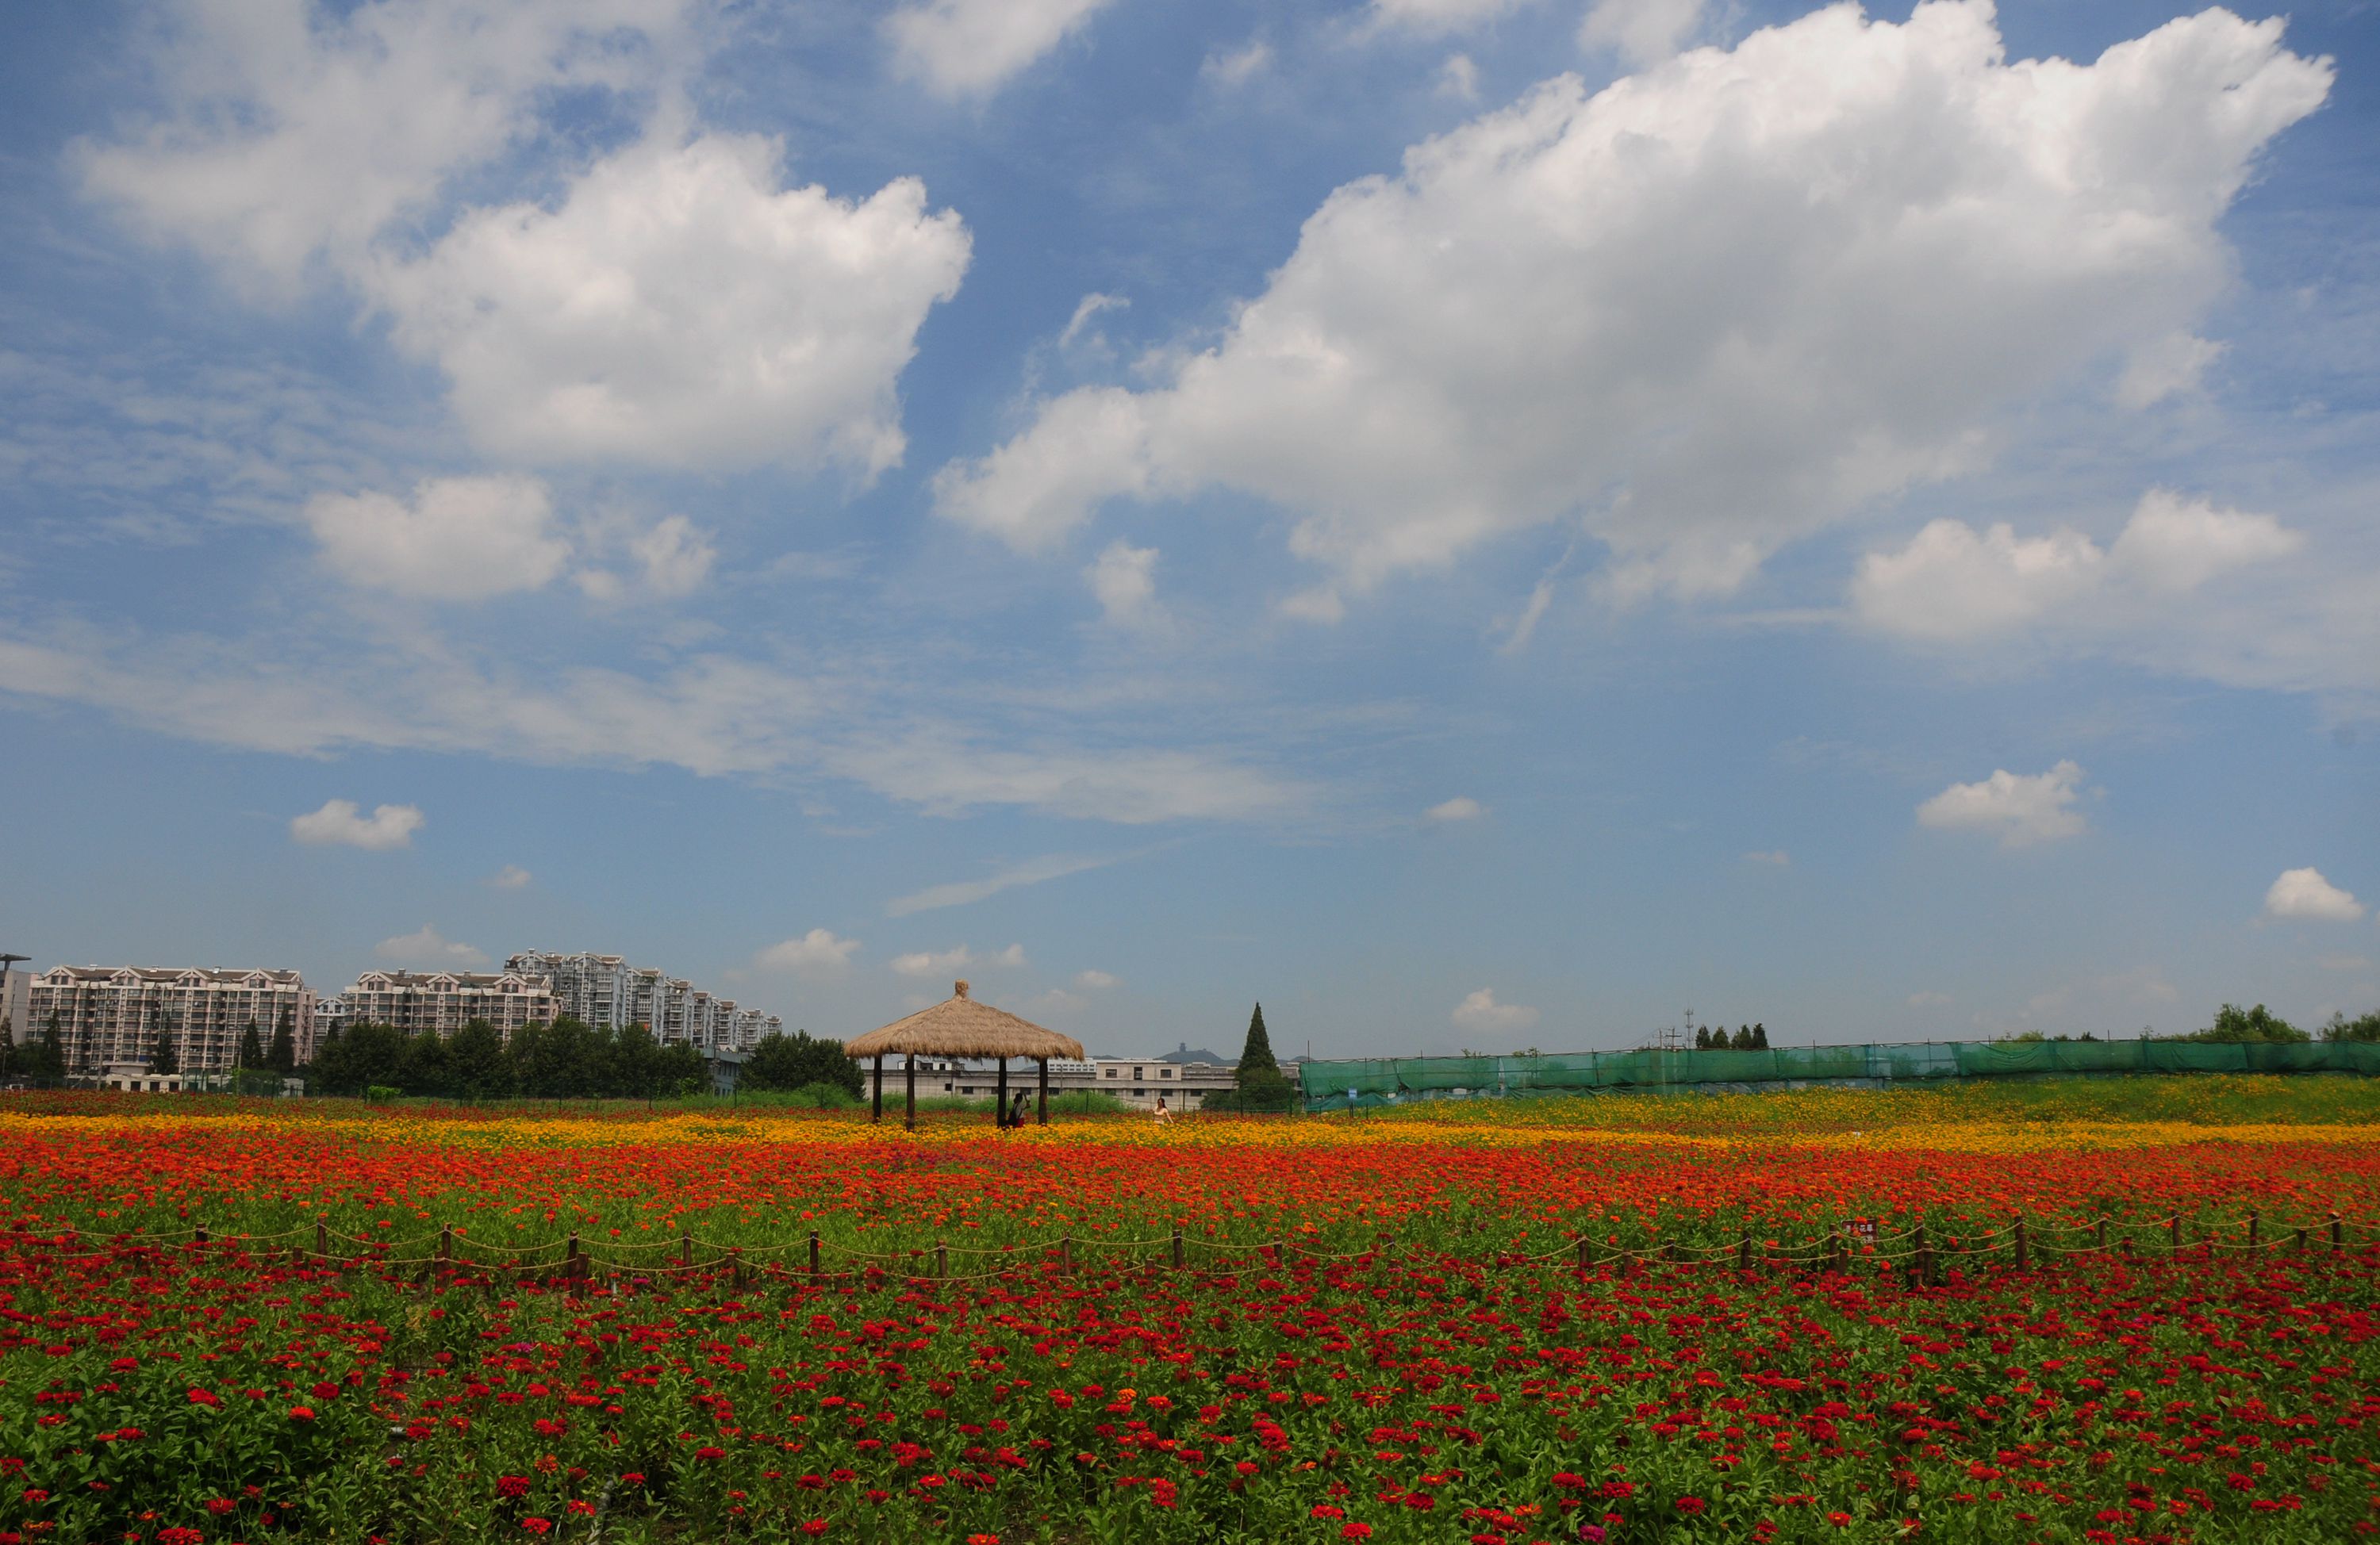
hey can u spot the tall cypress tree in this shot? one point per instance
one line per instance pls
(161, 1056)
(252, 1047)
(282, 1055)
(1257, 1053)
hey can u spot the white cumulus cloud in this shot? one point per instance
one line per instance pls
(295, 131)
(457, 539)
(962, 48)
(1776, 859)
(427, 952)
(1643, 31)
(679, 309)
(2022, 811)
(2304, 894)
(340, 822)
(816, 952)
(1124, 578)
(1480, 1011)
(2166, 367)
(1951, 582)
(1461, 807)
(512, 876)
(1707, 310)
(1095, 981)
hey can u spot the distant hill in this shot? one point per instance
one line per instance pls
(1201, 1055)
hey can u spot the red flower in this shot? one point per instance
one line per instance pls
(537, 1526)
(1357, 1531)
(301, 1413)
(1691, 1506)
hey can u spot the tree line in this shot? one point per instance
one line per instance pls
(567, 1059)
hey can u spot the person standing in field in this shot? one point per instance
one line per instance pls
(1162, 1113)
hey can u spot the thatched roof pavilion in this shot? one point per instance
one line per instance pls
(960, 1026)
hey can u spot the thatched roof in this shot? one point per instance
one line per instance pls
(960, 1026)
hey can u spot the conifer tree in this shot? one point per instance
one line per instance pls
(1702, 1038)
(1759, 1038)
(161, 1056)
(282, 1055)
(252, 1047)
(1258, 1053)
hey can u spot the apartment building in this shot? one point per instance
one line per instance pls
(16, 1000)
(604, 990)
(1138, 1081)
(115, 1015)
(443, 1001)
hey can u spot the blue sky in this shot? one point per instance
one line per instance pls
(1481, 523)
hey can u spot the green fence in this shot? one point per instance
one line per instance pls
(1328, 1084)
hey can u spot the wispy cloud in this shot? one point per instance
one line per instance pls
(933, 963)
(959, 893)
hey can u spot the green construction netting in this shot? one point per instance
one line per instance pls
(1326, 1083)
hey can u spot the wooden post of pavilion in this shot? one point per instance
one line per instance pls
(1000, 1111)
(959, 1028)
(879, 1113)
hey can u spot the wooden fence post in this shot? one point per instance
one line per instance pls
(684, 1251)
(2023, 1255)
(735, 1267)
(2336, 1231)
(2100, 1240)
(1925, 1258)
(2301, 1238)
(1744, 1252)
(2252, 1228)
(814, 1252)
(1586, 1252)
(1834, 1250)
(445, 1242)
(323, 1243)
(942, 1259)
(1065, 1253)
(2173, 1233)
(1177, 1247)
(200, 1236)
(570, 1259)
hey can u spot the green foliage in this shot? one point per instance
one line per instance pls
(161, 1056)
(252, 1047)
(568, 1059)
(1702, 1038)
(800, 1060)
(2366, 1028)
(2233, 1025)
(1256, 1055)
(477, 1067)
(46, 1058)
(1760, 1038)
(282, 1055)
(1741, 1040)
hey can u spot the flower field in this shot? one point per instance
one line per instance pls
(2135, 1311)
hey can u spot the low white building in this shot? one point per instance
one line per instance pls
(1138, 1081)
(117, 1015)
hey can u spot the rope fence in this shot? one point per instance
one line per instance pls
(1837, 1251)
